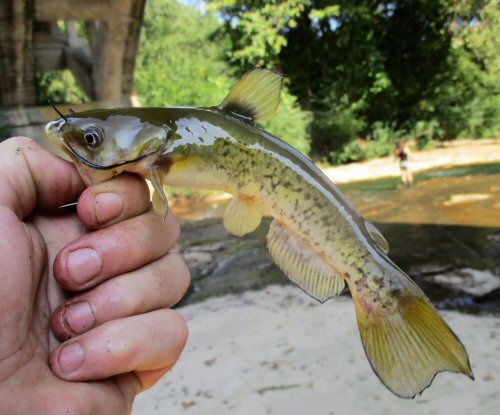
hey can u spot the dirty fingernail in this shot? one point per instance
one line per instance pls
(70, 357)
(79, 317)
(83, 264)
(107, 206)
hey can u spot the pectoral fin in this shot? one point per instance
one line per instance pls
(242, 216)
(303, 266)
(159, 200)
(256, 96)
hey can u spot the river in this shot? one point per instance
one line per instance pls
(445, 232)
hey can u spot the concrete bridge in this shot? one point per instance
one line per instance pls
(32, 40)
(39, 35)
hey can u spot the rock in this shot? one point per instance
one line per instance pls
(221, 263)
(449, 262)
(467, 280)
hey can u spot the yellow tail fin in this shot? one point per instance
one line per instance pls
(409, 346)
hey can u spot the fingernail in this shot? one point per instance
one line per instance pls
(79, 317)
(83, 264)
(70, 357)
(107, 206)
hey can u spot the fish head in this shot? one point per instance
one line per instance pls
(104, 143)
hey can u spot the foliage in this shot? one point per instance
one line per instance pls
(180, 59)
(425, 132)
(476, 50)
(58, 87)
(383, 139)
(350, 152)
(260, 28)
(423, 69)
(336, 126)
(291, 123)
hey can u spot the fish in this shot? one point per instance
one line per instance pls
(317, 237)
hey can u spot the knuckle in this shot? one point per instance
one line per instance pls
(134, 239)
(20, 141)
(172, 279)
(174, 227)
(133, 190)
(182, 273)
(85, 208)
(178, 328)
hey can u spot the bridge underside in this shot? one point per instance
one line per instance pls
(32, 39)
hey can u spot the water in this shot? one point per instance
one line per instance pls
(445, 197)
(465, 195)
(444, 232)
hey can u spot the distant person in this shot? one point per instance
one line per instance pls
(403, 153)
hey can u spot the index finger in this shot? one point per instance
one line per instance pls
(33, 178)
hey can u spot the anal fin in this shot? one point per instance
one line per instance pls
(242, 215)
(303, 266)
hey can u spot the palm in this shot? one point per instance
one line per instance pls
(27, 340)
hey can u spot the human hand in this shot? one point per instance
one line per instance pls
(119, 281)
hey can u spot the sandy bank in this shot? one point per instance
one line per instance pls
(450, 154)
(454, 153)
(277, 351)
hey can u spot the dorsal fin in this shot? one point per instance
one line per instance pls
(255, 96)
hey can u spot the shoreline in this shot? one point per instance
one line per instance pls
(451, 154)
(448, 155)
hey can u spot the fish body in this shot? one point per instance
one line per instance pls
(317, 237)
(215, 151)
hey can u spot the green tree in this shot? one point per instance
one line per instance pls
(471, 106)
(58, 87)
(421, 68)
(180, 59)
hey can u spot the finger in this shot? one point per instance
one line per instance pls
(158, 285)
(122, 197)
(145, 342)
(108, 396)
(33, 177)
(148, 378)
(120, 248)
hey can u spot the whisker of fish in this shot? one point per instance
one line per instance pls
(67, 205)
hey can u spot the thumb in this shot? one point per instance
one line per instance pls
(33, 178)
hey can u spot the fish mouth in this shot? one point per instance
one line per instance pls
(112, 166)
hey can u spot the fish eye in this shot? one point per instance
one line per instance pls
(93, 136)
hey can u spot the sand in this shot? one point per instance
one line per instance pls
(277, 351)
